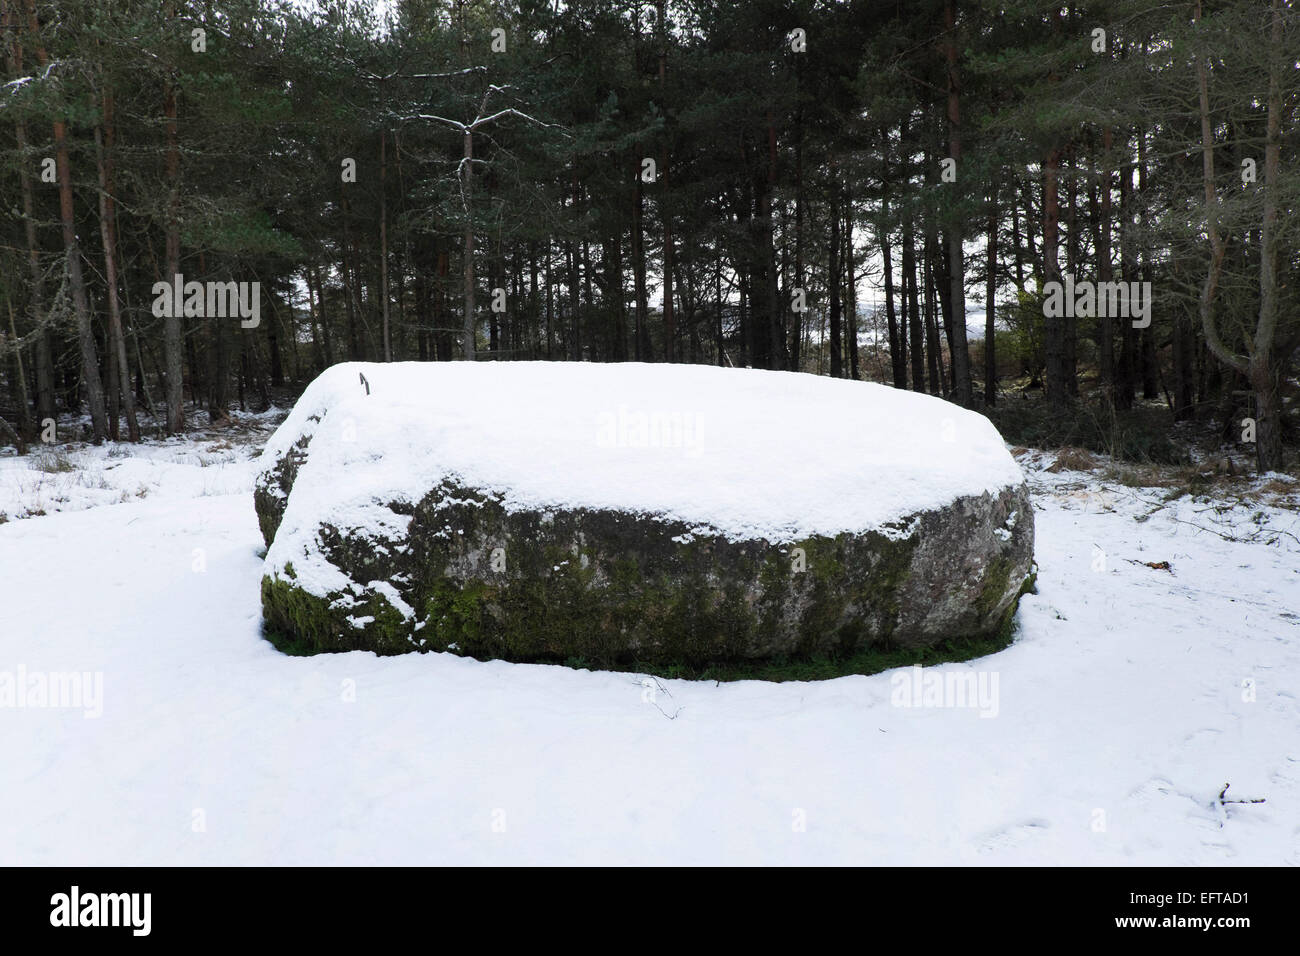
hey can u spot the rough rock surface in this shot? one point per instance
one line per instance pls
(420, 517)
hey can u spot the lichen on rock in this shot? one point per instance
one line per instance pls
(441, 558)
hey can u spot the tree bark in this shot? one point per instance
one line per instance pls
(1266, 368)
(108, 236)
(67, 213)
(851, 288)
(383, 241)
(172, 344)
(1105, 330)
(1126, 390)
(1217, 246)
(44, 360)
(956, 263)
(1150, 363)
(929, 283)
(911, 304)
(1070, 326)
(670, 328)
(990, 305)
(897, 343)
(776, 328)
(469, 333)
(833, 280)
(19, 381)
(1057, 389)
(641, 349)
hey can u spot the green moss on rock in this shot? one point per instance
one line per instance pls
(613, 589)
(272, 487)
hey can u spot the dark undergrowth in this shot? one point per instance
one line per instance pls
(1141, 434)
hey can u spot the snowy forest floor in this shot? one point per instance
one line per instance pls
(1159, 660)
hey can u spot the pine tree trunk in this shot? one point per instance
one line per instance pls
(469, 326)
(990, 305)
(1150, 362)
(573, 335)
(19, 381)
(1126, 390)
(43, 359)
(383, 242)
(534, 302)
(851, 287)
(897, 342)
(929, 255)
(1057, 387)
(775, 327)
(550, 304)
(641, 350)
(317, 354)
(1070, 327)
(614, 251)
(670, 327)
(956, 263)
(108, 236)
(442, 342)
(1017, 250)
(717, 294)
(588, 302)
(76, 281)
(833, 280)
(1105, 330)
(275, 360)
(172, 337)
(943, 317)
(796, 318)
(1265, 370)
(912, 304)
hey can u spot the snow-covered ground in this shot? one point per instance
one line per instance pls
(1133, 693)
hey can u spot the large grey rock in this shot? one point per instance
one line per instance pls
(381, 535)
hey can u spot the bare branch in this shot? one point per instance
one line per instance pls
(511, 111)
(425, 76)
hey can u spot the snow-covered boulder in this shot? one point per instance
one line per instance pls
(617, 513)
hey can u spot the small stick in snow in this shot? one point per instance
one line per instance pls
(673, 715)
(364, 382)
(645, 682)
(1221, 804)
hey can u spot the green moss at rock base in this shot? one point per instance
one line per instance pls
(625, 592)
(293, 612)
(1007, 626)
(870, 660)
(287, 643)
(864, 661)
(453, 618)
(997, 580)
(307, 624)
